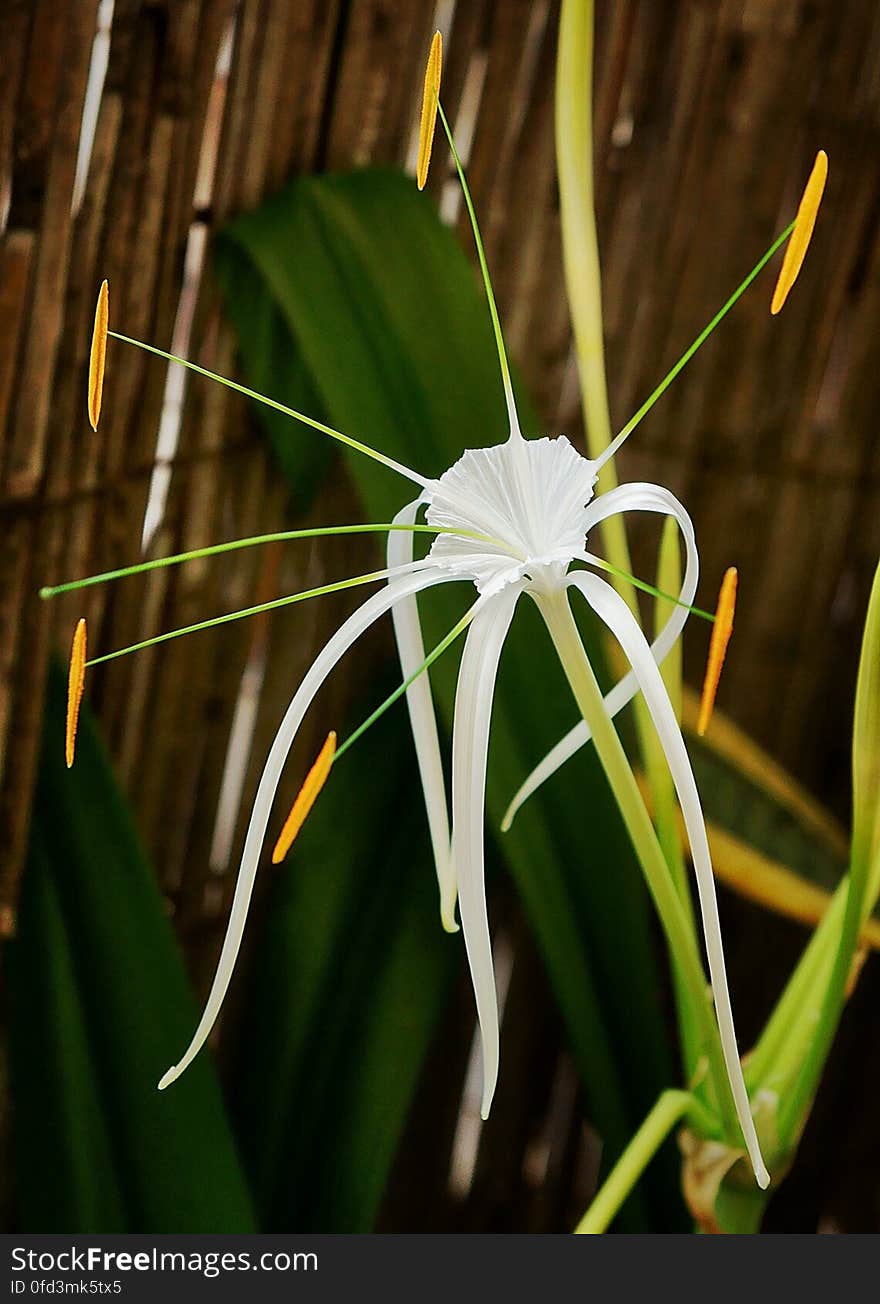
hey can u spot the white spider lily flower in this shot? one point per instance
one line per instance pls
(511, 520)
(528, 502)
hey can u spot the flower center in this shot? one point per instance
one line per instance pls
(528, 497)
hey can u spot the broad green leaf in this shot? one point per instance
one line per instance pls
(110, 1013)
(59, 1125)
(382, 307)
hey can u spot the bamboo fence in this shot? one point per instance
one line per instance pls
(708, 114)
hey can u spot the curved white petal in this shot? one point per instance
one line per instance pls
(470, 746)
(611, 608)
(415, 578)
(529, 496)
(626, 498)
(411, 651)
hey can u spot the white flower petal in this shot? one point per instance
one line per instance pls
(612, 609)
(470, 746)
(415, 578)
(411, 651)
(529, 496)
(626, 498)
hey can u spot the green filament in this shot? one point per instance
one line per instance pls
(429, 660)
(233, 545)
(484, 269)
(689, 353)
(279, 407)
(648, 588)
(338, 587)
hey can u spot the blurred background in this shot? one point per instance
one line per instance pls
(343, 1093)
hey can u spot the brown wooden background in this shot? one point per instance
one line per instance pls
(709, 113)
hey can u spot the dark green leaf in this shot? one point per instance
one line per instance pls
(110, 1013)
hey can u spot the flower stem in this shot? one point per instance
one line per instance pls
(583, 281)
(670, 1108)
(680, 934)
(583, 275)
(574, 160)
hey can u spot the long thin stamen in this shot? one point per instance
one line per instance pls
(686, 357)
(601, 564)
(338, 587)
(281, 407)
(233, 545)
(484, 268)
(429, 660)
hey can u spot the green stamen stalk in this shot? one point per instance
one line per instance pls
(234, 545)
(698, 342)
(429, 660)
(487, 282)
(338, 587)
(606, 566)
(670, 1109)
(279, 407)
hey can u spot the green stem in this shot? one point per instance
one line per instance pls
(580, 245)
(680, 934)
(671, 1107)
(583, 280)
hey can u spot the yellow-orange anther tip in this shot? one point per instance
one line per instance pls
(98, 354)
(305, 798)
(799, 242)
(430, 98)
(76, 678)
(721, 632)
